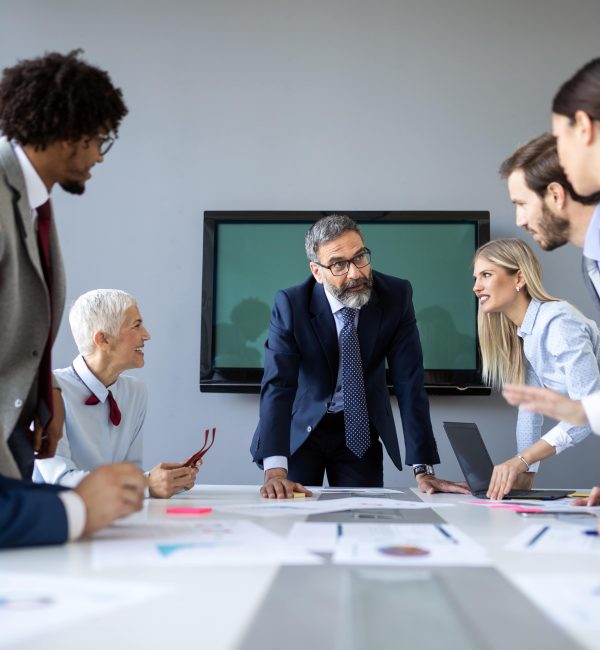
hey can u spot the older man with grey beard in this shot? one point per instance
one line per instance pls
(324, 403)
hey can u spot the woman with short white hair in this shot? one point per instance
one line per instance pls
(104, 408)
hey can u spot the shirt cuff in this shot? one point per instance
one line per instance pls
(275, 462)
(76, 514)
(591, 406)
(558, 438)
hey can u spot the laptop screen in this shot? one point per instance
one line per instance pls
(472, 455)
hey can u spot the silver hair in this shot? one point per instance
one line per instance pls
(100, 310)
(326, 229)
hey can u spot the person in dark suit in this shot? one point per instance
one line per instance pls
(59, 116)
(324, 402)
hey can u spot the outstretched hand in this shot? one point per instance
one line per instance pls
(547, 402)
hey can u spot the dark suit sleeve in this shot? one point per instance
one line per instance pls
(405, 359)
(31, 514)
(279, 384)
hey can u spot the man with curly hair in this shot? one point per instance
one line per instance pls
(59, 116)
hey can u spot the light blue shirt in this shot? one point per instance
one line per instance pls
(591, 245)
(562, 352)
(89, 437)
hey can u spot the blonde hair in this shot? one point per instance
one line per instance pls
(501, 347)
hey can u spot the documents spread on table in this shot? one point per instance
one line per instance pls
(573, 601)
(557, 538)
(31, 602)
(393, 544)
(207, 542)
(304, 507)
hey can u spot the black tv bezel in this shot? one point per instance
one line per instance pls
(247, 380)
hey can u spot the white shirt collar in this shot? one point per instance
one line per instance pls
(591, 246)
(37, 193)
(90, 380)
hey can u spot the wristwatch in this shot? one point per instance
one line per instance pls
(423, 469)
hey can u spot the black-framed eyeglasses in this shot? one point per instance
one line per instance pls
(105, 142)
(341, 267)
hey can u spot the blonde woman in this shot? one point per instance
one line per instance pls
(527, 336)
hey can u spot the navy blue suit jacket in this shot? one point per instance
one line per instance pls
(31, 514)
(301, 367)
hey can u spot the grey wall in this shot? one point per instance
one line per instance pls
(284, 104)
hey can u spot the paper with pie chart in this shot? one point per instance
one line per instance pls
(407, 545)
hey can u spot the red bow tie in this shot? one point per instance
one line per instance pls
(114, 413)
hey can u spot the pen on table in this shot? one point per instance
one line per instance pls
(591, 533)
(537, 536)
(446, 534)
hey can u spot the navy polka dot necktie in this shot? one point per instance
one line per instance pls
(356, 415)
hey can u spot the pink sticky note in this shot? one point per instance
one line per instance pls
(188, 511)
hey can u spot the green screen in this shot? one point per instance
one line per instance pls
(255, 260)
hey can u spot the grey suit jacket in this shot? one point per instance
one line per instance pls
(24, 299)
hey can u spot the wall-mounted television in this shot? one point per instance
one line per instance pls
(248, 256)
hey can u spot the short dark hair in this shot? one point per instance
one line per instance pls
(326, 229)
(580, 93)
(539, 161)
(57, 97)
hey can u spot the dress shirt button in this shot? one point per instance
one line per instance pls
(309, 428)
(34, 353)
(18, 403)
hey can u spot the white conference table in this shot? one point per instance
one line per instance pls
(214, 607)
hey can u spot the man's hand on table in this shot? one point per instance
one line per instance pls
(431, 484)
(277, 485)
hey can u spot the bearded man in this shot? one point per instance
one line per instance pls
(324, 404)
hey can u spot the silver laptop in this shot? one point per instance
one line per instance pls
(477, 466)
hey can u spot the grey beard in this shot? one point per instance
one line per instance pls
(352, 299)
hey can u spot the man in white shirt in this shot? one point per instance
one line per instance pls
(548, 207)
(104, 408)
(59, 116)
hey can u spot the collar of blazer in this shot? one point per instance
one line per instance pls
(12, 175)
(325, 330)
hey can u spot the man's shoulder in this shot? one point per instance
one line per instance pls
(303, 288)
(390, 285)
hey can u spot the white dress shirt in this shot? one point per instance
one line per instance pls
(562, 352)
(90, 439)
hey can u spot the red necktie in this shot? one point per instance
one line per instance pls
(114, 414)
(45, 370)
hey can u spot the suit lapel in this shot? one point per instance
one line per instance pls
(369, 321)
(13, 176)
(324, 326)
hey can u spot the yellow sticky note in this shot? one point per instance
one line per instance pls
(579, 494)
(299, 495)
